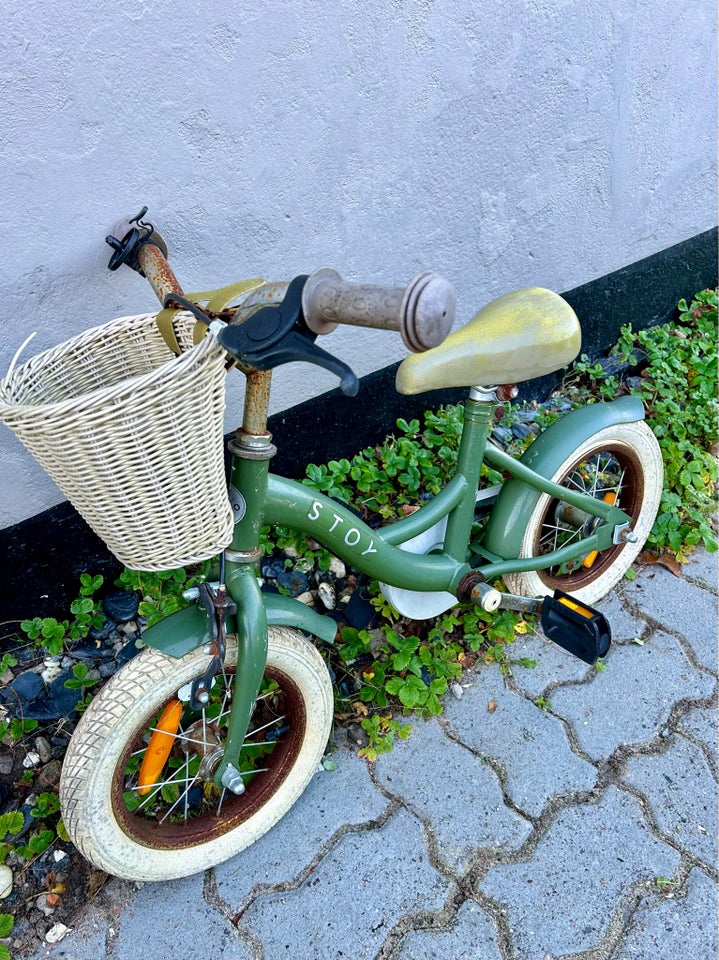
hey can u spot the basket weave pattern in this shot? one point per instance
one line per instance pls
(132, 435)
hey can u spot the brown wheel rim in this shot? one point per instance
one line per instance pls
(609, 467)
(222, 812)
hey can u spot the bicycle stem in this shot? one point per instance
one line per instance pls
(163, 281)
(257, 402)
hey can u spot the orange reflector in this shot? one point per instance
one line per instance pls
(573, 605)
(591, 557)
(158, 749)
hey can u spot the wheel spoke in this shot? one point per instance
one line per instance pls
(179, 799)
(263, 727)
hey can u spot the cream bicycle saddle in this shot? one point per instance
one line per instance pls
(519, 336)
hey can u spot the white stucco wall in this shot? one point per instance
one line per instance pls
(502, 144)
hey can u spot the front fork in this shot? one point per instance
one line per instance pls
(251, 660)
(251, 455)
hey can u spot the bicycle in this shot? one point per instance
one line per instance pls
(185, 758)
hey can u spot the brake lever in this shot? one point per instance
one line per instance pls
(278, 334)
(295, 346)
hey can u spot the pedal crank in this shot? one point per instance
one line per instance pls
(573, 625)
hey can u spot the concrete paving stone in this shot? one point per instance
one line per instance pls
(702, 724)
(173, 919)
(562, 900)
(703, 567)
(682, 792)
(679, 605)
(631, 700)
(333, 798)
(553, 664)
(455, 790)
(624, 625)
(675, 928)
(530, 743)
(354, 897)
(472, 937)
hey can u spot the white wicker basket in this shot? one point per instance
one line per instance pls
(132, 435)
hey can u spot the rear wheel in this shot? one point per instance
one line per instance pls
(621, 464)
(178, 822)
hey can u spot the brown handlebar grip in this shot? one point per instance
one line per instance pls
(423, 311)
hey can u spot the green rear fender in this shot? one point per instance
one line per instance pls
(184, 631)
(517, 500)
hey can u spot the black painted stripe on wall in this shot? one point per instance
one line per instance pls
(42, 558)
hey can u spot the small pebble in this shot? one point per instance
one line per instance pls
(5, 881)
(89, 650)
(103, 632)
(337, 568)
(31, 760)
(49, 776)
(520, 431)
(44, 907)
(502, 435)
(457, 690)
(121, 605)
(307, 597)
(59, 855)
(273, 567)
(327, 595)
(293, 580)
(44, 750)
(357, 735)
(56, 933)
(51, 672)
(27, 686)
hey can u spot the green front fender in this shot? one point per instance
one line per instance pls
(184, 631)
(517, 500)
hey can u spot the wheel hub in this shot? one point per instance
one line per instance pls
(204, 741)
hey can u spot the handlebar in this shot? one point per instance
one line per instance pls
(278, 322)
(423, 311)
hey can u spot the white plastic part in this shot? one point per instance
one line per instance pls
(416, 604)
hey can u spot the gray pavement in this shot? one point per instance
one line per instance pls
(583, 830)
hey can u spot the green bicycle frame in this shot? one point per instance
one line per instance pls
(265, 498)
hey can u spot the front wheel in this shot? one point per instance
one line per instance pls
(180, 823)
(622, 465)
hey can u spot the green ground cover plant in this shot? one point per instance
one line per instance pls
(678, 386)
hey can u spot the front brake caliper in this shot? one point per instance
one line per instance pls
(219, 607)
